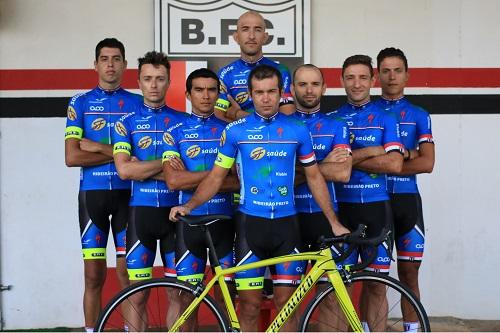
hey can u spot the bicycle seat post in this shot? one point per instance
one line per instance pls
(214, 261)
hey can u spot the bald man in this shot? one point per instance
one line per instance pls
(234, 101)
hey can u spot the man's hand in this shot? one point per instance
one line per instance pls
(178, 210)
(338, 229)
(338, 155)
(176, 163)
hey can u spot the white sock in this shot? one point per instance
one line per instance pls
(125, 327)
(89, 329)
(366, 328)
(410, 326)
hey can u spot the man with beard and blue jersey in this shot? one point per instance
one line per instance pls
(377, 150)
(265, 145)
(90, 121)
(138, 147)
(234, 101)
(331, 146)
(416, 135)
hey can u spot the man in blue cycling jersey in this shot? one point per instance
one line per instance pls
(188, 157)
(138, 146)
(416, 135)
(266, 145)
(234, 100)
(330, 137)
(377, 150)
(90, 121)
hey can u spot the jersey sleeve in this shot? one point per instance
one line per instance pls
(341, 138)
(74, 119)
(228, 149)
(424, 128)
(121, 136)
(170, 147)
(305, 151)
(287, 97)
(222, 103)
(392, 140)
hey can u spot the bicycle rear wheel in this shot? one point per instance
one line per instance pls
(154, 305)
(323, 313)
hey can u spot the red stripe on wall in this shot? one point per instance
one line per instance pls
(435, 77)
(74, 79)
(68, 79)
(55, 79)
(176, 98)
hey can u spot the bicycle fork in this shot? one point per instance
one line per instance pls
(344, 299)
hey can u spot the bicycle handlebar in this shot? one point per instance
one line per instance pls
(355, 239)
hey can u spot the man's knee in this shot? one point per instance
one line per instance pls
(250, 303)
(281, 295)
(408, 272)
(121, 271)
(95, 273)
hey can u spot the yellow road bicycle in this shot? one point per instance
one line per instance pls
(340, 297)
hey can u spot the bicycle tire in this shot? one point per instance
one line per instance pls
(312, 320)
(154, 317)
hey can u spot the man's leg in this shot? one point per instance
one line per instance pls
(94, 229)
(410, 239)
(141, 249)
(119, 223)
(281, 296)
(408, 274)
(95, 275)
(250, 304)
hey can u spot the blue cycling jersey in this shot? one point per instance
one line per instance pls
(267, 150)
(414, 129)
(141, 134)
(234, 76)
(327, 134)
(92, 115)
(369, 126)
(196, 142)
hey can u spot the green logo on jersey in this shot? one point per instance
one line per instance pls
(283, 190)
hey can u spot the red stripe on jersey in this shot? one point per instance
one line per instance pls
(379, 266)
(307, 158)
(410, 254)
(286, 277)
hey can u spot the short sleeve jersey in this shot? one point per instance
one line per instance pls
(196, 142)
(92, 115)
(141, 134)
(414, 128)
(234, 83)
(369, 126)
(327, 134)
(266, 150)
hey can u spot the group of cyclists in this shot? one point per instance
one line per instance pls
(257, 146)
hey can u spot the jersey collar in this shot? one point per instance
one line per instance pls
(251, 64)
(152, 109)
(260, 118)
(355, 107)
(313, 114)
(106, 91)
(199, 118)
(396, 101)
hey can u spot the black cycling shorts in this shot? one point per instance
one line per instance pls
(95, 207)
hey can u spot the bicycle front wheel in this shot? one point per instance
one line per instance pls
(155, 305)
(378, 300)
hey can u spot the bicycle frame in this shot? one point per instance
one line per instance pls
(324, 264)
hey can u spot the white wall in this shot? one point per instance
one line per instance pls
(39, 246)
